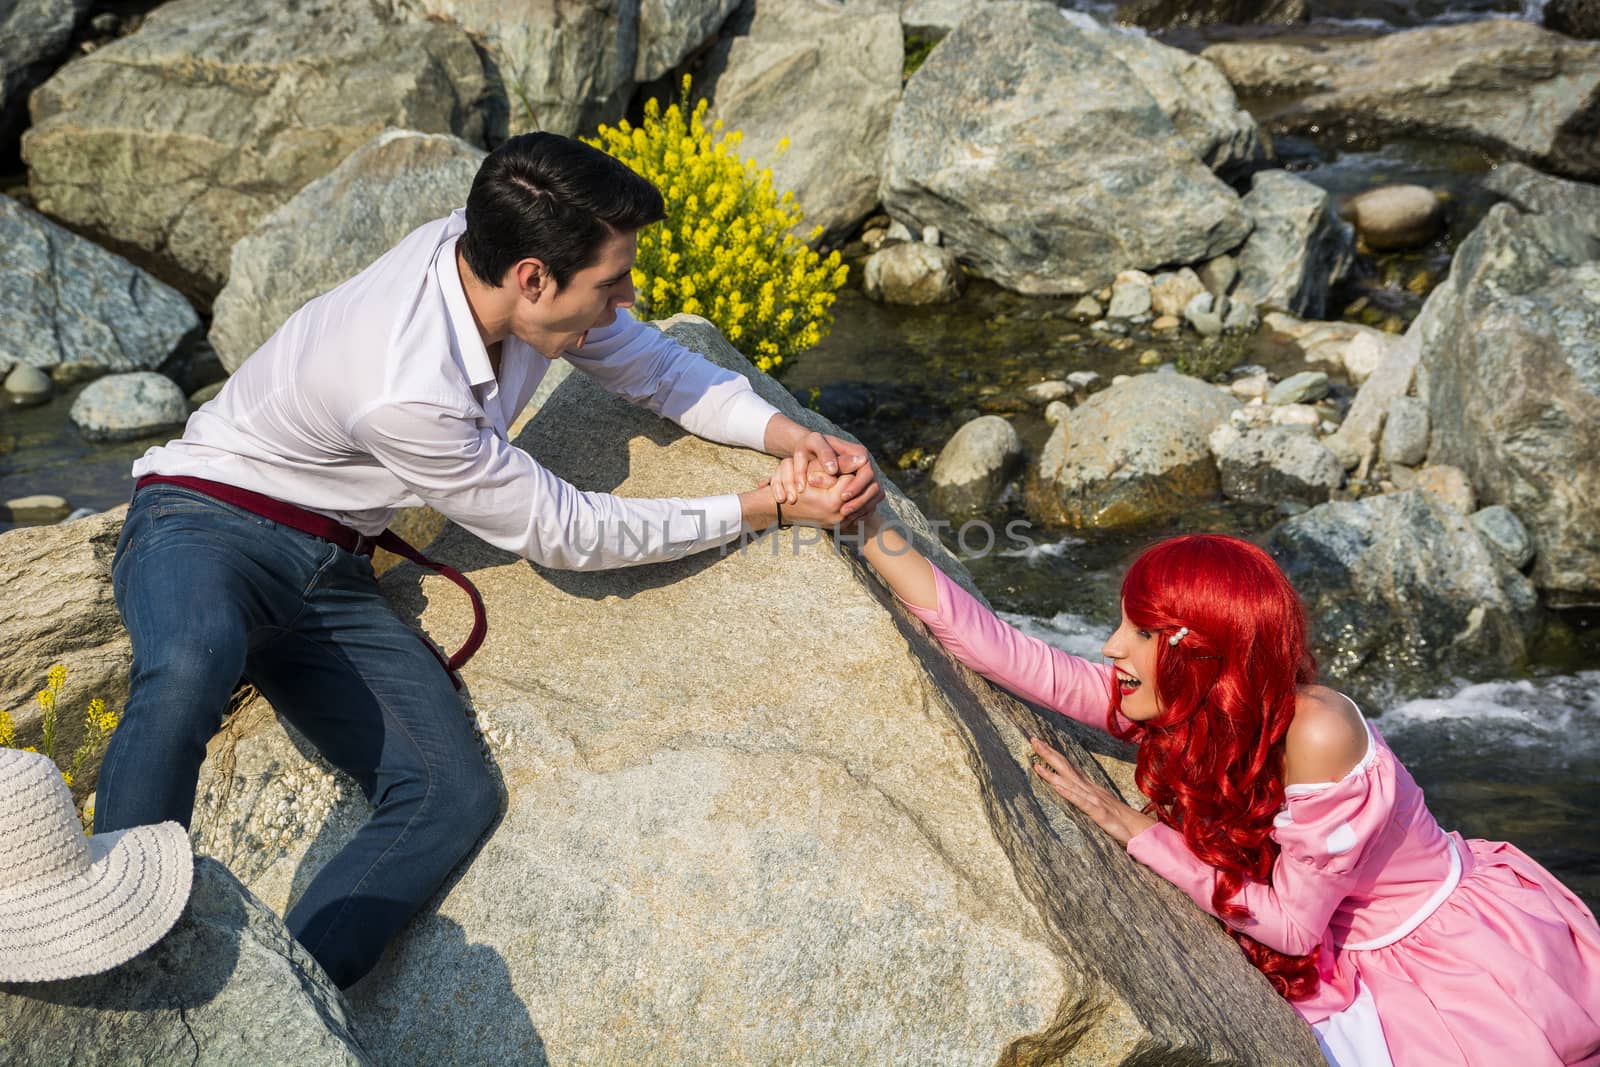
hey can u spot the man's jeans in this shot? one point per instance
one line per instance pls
(210, 593)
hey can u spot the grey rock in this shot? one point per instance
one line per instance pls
(65, 299)
(932, 236)
(1395, 217)
(34, 35)
(669, 30)
(1405, 432)
(677, 884)
(179, 142)
(1298, 248)
(40, 507)
(1219, 274)
(1016, 92)
(975, 465)
(827, 78)
(124, 407)
(58, 608)
(1133, 453)
(1349, 347)
(1302, 417)
(1055, 411)
(1273, 464)
(1199, 313)
(1305, 387)
(1575, 18)
(1503, 531)
(1400, 587)
(1085, 308)
(227, 985)
(1507, 85)
(1083, 381)
(899, 231)
(333, 228)
(1044, 392)
(1130, 297)
(205, 393)
(1168, 14)
(914, 273)
(1192, 93)
(1511, 352)
(1349, 458)
(28, 385)
(1171, 293)
(560, 65)
(1241, 317)
(1392, 378)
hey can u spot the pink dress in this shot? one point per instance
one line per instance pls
(1433, 950)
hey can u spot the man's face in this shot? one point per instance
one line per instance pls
(553, 319)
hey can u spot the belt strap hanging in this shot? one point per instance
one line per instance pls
(298, 518)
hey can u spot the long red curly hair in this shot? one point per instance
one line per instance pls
(1212, 761)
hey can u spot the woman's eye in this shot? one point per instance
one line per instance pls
(1145, 634)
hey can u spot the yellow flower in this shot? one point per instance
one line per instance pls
(56, 677)
(8, 731)
(729, 252)
(46, 699)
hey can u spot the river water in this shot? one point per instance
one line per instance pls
(1506, 758)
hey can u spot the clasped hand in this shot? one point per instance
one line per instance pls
(827, 481)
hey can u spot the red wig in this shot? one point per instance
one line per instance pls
(1212, 761)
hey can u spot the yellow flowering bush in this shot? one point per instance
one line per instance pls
(98, 723)
(727, 250)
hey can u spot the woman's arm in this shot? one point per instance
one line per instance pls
(1026, 666)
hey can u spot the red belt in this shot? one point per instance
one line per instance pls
(345, 537)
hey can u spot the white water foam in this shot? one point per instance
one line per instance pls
(1558, 717)
(1036, 553)
(1066, 631)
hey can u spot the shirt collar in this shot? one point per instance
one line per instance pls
(474, 357)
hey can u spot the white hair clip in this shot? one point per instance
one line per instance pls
(1183, 631)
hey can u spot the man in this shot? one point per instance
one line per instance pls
(245, 549)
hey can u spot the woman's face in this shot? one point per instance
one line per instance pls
(1132, 652)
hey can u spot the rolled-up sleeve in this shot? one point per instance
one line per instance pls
(472, 475)
(645, 366)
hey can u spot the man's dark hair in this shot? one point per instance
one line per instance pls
(555, 199)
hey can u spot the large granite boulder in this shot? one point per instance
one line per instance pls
(227, 985)
(1299, 248)
(1510, 86)
(179, 138)
(1044, 160)
(1400, 587)
(1271, 464)
(334, 227)
(64, 299)
(1511, 369)
(716, 848)
(826, 77)
(58, 609)
(670, 30)
(34, 35)
(1190, 91)
(1167, 14)
(1134, 453)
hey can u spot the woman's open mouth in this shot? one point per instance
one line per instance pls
(1127, 683)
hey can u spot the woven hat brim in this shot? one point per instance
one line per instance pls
(135, 888)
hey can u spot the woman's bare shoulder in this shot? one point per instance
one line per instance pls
(1326, 738)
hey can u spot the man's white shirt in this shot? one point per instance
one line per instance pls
(379, 395)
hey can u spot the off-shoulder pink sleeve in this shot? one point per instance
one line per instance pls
(1323, 834)
(1025, 665)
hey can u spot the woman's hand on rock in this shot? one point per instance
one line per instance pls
(1096, 801)
(810, 494)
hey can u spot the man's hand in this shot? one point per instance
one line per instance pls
(820, 458)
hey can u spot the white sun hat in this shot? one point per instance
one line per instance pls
(72, 905)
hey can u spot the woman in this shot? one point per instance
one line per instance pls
(1281, 811)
